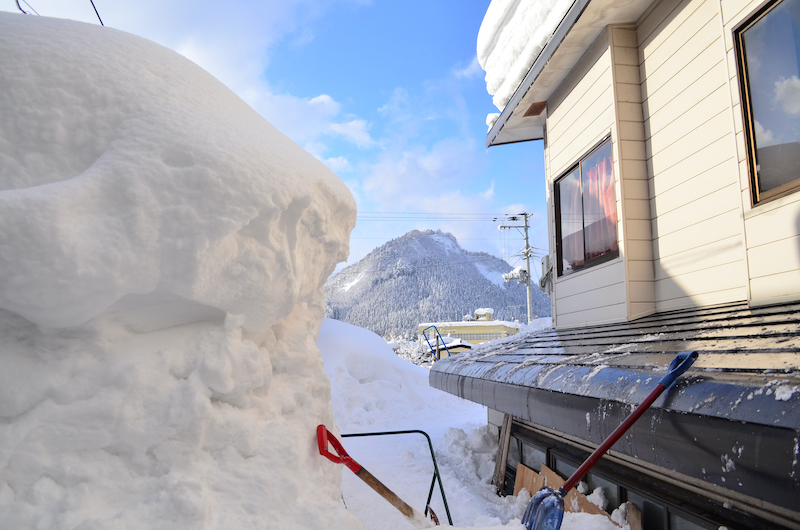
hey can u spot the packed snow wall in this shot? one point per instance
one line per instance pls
(162, 254)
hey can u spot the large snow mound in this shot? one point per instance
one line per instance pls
(512, 35)
(127, 170)
(162, 255)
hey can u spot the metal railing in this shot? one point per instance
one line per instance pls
(436, 475)
(439, 338)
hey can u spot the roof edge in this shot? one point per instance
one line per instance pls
(538, 65)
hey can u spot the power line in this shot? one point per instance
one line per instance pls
(96, 13)
(29, 7)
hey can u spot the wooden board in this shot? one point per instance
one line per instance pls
(574, 501)
(634, 517)
(529, 479)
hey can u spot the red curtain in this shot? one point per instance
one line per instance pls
(600, 208)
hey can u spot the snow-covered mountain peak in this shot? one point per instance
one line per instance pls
(424, 276)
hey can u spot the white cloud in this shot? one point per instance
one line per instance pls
(232, 41)
(764, 137)
(787, 94)
(338, 164)
(472, 70)
(398, 104)
(356, 131)
(405, 176)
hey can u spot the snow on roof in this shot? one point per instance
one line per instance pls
(510, 38)
(473, 323)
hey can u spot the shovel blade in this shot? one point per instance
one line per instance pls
(545, 511)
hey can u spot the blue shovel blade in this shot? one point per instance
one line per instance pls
(545, 511)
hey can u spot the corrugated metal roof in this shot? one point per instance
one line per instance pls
(740, 401)
(747, 351)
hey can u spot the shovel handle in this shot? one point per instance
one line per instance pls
(324, 437)
(678, 366)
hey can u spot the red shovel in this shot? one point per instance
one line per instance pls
(324, 436)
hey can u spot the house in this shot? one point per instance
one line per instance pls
(671, 136)
(481, 328)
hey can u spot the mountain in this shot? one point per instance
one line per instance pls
(424, 276)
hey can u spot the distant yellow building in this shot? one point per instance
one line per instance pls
(481, 328)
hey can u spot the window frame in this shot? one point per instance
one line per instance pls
(587, 263)
(559, 450)
(748, 119)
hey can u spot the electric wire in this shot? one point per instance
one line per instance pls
(95, 12)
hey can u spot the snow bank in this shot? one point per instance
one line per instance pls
(162, 255)
(373, 390)
(511, 36)
(126, 170)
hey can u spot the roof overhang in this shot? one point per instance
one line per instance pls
(579, 29)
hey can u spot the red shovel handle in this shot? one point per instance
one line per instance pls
(323, 437)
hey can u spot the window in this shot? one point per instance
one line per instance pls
(768, 58)
(586, 212)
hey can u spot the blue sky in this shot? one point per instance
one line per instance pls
(387, 93)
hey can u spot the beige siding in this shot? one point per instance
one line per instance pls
(580, 114)
(594, 296)
(695, 190)
(773, 239)
(636, 231)
(772, 229)
(582, 111)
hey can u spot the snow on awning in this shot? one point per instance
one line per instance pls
(580, 27)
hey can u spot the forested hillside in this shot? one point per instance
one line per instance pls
(424, 276)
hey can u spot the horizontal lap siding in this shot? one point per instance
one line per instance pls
(592, 297)
(636, 234)
(773, 239)
(772, 229)
(580, 114)
(695, 188)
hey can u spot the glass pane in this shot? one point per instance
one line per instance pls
(772, 54)
(679, 523)
(513, 453)
(610, 490)
(599, 202)
(564, 468)
(652, 513)
(533, 457)
(571, 218)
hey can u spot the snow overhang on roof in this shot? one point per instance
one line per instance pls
(522, 118)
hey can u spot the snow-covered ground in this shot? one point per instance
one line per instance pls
(375, 391)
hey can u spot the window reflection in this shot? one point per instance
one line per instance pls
(587, 211)
(769, 48)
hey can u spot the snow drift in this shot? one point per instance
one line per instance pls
(162, 254)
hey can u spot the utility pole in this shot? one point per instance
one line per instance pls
(526, 251)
